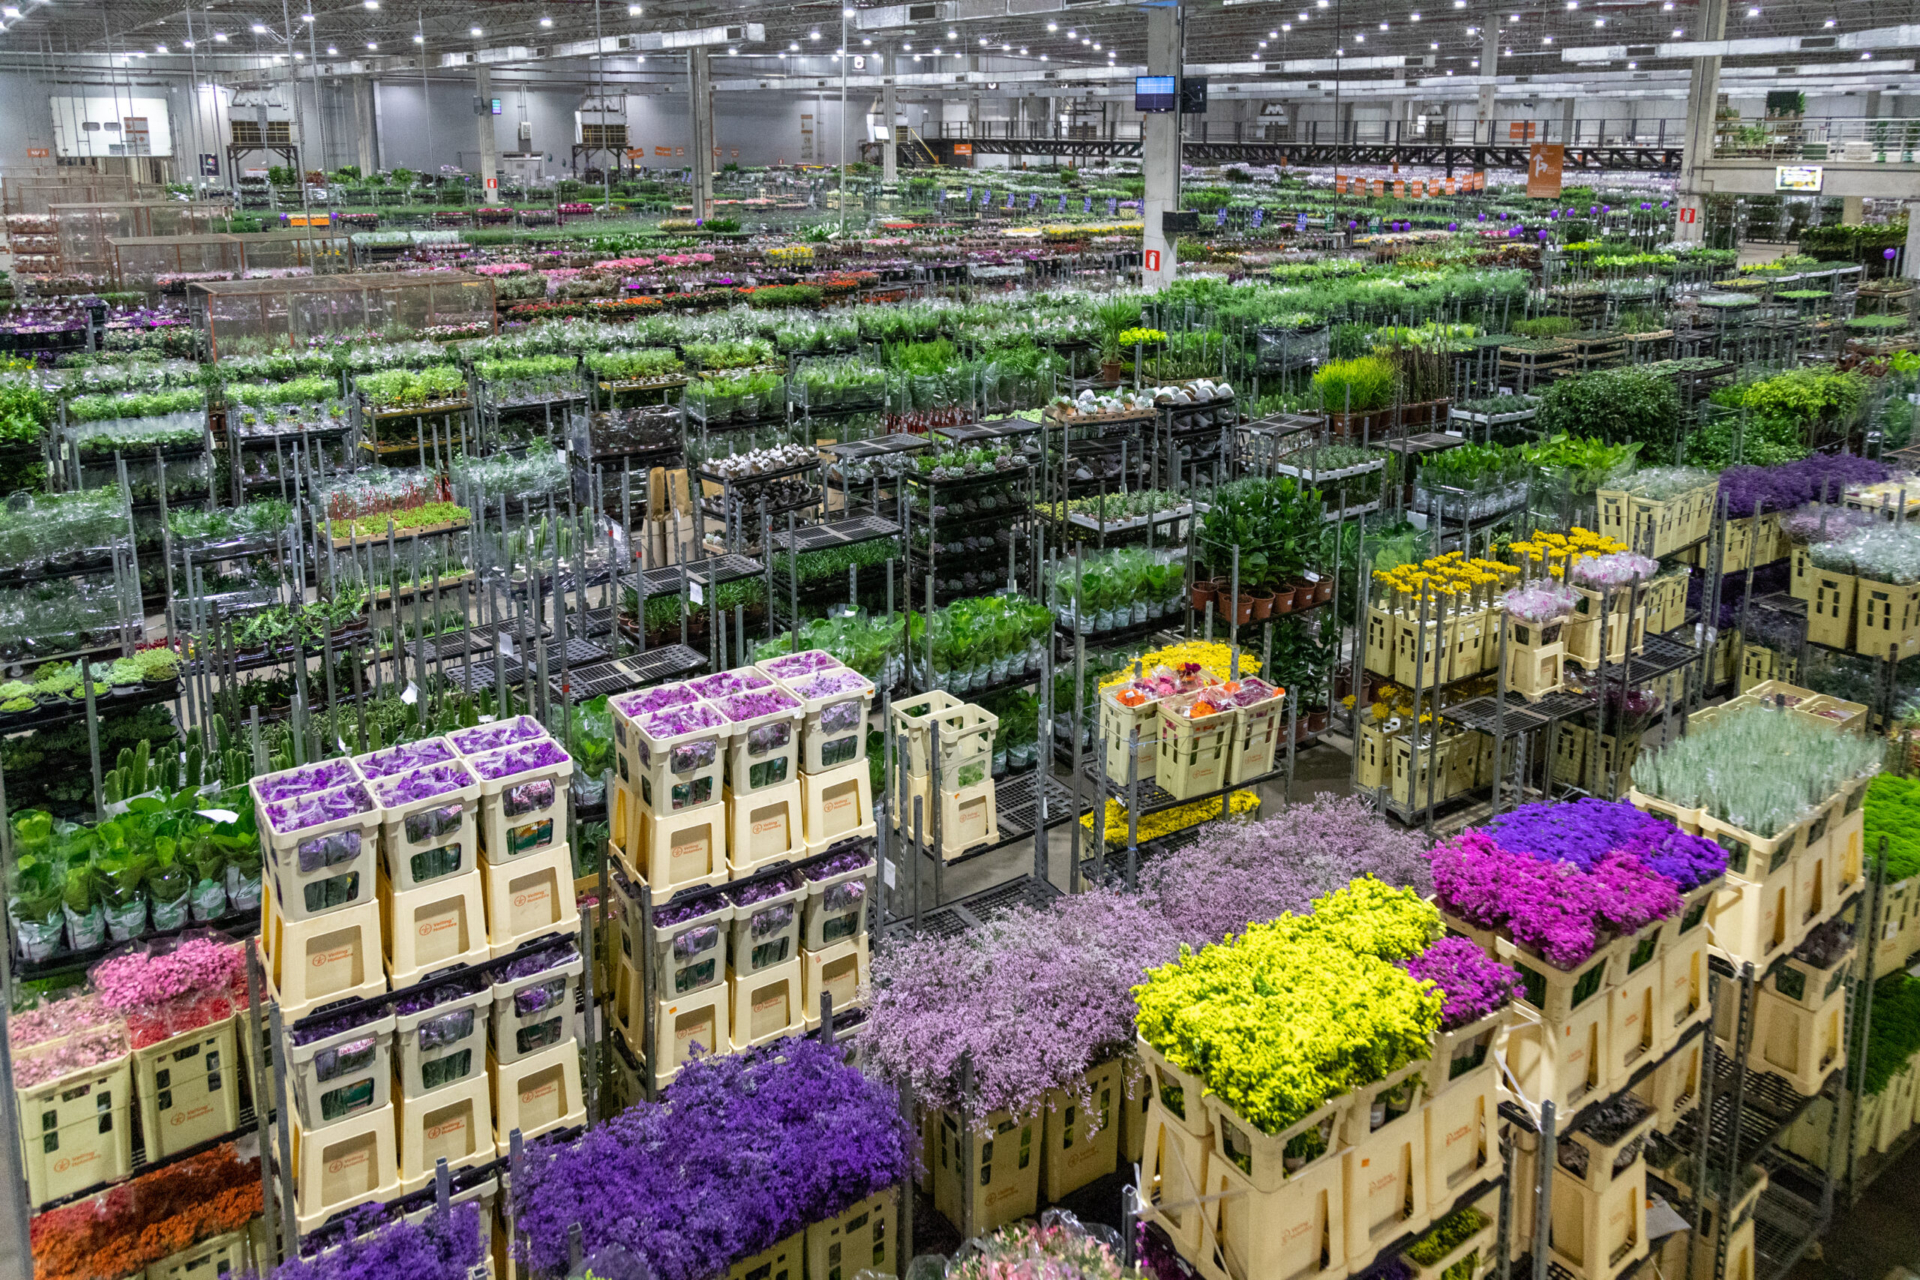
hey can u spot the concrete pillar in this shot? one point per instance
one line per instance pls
(700, 111)
(489, 146)
(1160, 149)
(362, 92)
(1910, 267)
(1853, 210)
(1703, 98)
(889, 139)
(1489, 68)
(1567, 120)
(1873, 104)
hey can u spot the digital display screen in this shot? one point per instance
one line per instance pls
(1154, 93)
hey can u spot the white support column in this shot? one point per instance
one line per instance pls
(700, 112)
(1910, 267)
(890, 139)
(1489, 68)
(1160, 149)
(1703, 100)
(489, 145)
(1567, 121)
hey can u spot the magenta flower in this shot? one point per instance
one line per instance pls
(304, 780)
(678, 721)
(724, 684)
(803, 663)
(404, 758)
(522, 758)
(635, 705)
(327, 806)
(1473, 983)
(421, 784)
(829, 683)
(751, 706)
(491, 737)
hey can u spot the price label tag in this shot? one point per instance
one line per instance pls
(695, 594)
(505, 644)
(886, 871)
(228, 815)
(412, 695)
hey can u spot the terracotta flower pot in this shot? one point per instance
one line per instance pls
(1284, 598)
(1262, 606)
(1316, 720)
(1203, 594)
(1241, 611)
(1323, 591)
(1110, 370)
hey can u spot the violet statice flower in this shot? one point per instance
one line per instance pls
(537, 962)
(1581, 831)
(835, 864)
(635, 705)
(678, 721)
(723, 684)
(326, 806)
(793, 665)
(829, 683)
(1242, 872)
(404, 758)
(1032, 999)
(441, 1246)
(304, 780)
(360, 1017)
(491, 737)
(680, 911)
(1685, 860)
(751, 706)
(1630, 895)
(422, 784)
(523, 758)
(1473, 983)
(745, 895)
(744, 1150)
(1548, 907)
(418, 1000)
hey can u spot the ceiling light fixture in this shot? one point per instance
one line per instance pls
(475, 32)
(333, 51)
(372, 45)
(418, 38)
(259, 29)
(633, 11)
(220, 37)
(546, 22)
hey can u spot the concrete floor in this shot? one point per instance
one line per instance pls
(1880, 1233)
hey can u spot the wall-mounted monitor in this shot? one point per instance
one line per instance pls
(1154, 93)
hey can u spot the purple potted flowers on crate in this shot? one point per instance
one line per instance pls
(404, 758)
(304, 780)
(491, 737)
(325, 806)
(420, 784)
(725, 684)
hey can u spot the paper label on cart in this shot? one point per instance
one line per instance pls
(412, 695)
(505, 644)
(695, 594)
(223, 815)
(886, 872)
(1311, 576)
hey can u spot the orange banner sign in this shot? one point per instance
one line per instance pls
(1544, 163)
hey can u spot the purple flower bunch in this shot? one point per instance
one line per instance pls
(1611, 572)
(744, 1150)
(1584, 832)
(806, 662)
(404, 758)
(727, 683)
(305, 780)
(422, 783)
(441, 1246)
(1473, 983)
(1541, 601)
(828, 683)
(360, 1017)
(834, 864)
(659, 698)
(1032, 1000)
(491, 737)
(675, 722)
(325, 806)
(537, 962)
(1815, 478)
(524, 757)
(682, 910)
(752, 891)
(752, 706)
(418, 1000)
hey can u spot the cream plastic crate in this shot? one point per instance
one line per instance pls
(1181, 1094)
(1082, 1143)
(337, 1078)
(529, 897)
(228, 1254)
(1830, 611)
(1887, 618)
(1192, 752)
(1173, 1172)
(1687, 820)
(1133, 1110)
(1297, 1232)
(671, 852)
(690, 955)
(763, 751)
(1672, 1089)
(764, 827)
(434, 927)
(188, 1087)
(325, 868)
(836, 906)
(842, 969)
(781, 1260)
(966, 737)
(1260, 1156)
(425, 841)
(343, 1166)
(702, 1021)
(766, 932)
(1558, 994)
(1480, 1246)
(1810, 986)
(765, 1006)
(523, 814)
(1462, 1134)
(862, 1237)
(996, 1166)
(1118, 724)
(837, 806)
(1802, 1046)
(674, 772)
(1683, 987)
(1896, 1107)
(314, 962)
(1463, 1050)
(968, 817)
(1597, 1235)
(537, 1094)
(1607, 1162)
(77, 1129)
(1563, 1061)
(833, 730)
(1636, 1032)
(535, 1013)
(454, 1124)
(1753, 920)
(444, 1044)
(1385, 1168)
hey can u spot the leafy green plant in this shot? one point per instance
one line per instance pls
(1619, 406)
(1360, 385)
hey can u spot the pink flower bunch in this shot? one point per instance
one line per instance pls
(541, 753)
(830, 683)
(793, 665)
(57, 1018)
(139, 979)
(1164, 682)
(751, 706)
(1539, 602)
(727, 683)
(1612, 572)
(623, 264)
(683, 259)
(90, 1047)
(659, 698)
(501, 268)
